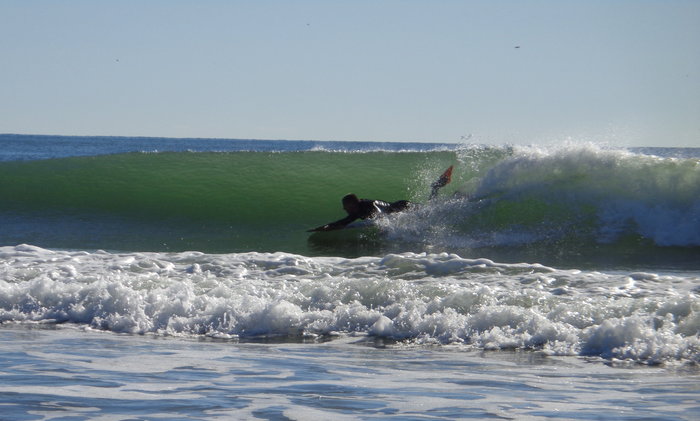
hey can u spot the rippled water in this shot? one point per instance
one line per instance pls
(69, 373)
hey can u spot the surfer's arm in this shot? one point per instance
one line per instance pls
(339, 224)
(434, 191)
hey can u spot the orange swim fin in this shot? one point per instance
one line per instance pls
(445, 178)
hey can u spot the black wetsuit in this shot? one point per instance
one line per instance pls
(370, 208)
(367, 209)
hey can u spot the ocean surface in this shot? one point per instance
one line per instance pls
(156, 278)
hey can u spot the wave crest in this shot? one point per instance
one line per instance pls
(567, 194)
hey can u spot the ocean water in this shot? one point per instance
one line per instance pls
(145, 278)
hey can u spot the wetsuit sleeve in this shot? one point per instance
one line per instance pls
(341, 223)
(398, 206)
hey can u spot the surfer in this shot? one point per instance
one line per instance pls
(368, 209)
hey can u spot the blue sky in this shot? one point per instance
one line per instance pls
(622, 72)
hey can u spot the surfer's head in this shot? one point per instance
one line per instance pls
(351, 204)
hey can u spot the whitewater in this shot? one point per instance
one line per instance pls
(147, 278)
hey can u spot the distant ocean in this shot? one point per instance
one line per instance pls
(157, 278)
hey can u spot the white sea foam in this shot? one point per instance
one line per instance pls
(416, 298)
(658, 197)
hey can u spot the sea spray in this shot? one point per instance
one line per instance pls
(577, 197)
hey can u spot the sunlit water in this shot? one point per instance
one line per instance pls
(559, 294)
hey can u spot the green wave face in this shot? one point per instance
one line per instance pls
(569, 199)
(250, 187)
(229, 201)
